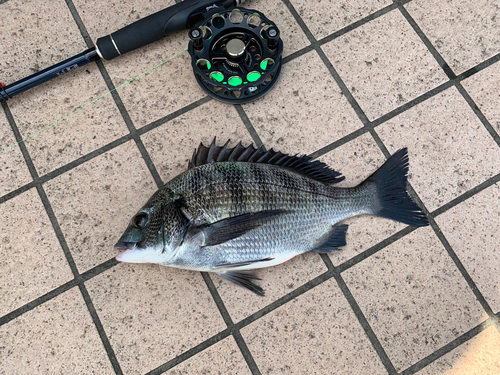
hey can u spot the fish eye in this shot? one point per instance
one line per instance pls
(140, 221)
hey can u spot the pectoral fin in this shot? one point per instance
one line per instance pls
(233, 227)
(243, 279)
(332, 241)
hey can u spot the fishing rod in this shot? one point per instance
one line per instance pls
(235, 52)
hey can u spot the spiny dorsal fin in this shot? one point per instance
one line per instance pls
(316, 170)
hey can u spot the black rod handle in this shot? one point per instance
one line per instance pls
(7, 92)
(148, 29)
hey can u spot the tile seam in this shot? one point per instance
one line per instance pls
(16, 313)
(190, 353)
(245, 352)
(447, 348)
(100, 329)
(478, 113)
(360, 316)
(79, 23)
(430, 47)
(441, 237)
(134, 134)
(248, 124)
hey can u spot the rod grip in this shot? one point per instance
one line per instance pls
(148, 29)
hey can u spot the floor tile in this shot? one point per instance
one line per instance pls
(316, 333)
(95, 201)
(152, 313)
(325, 17)
(57, 337)
(276, 281)
(222, 358)
(414, 297)
(463, 31)
(171, 145)
(32, 261)
(292, 35)
(36, 34)
(478, 356)
(14, 172)
(293, 117)
(384, 64)
(450, 149)
(357, 160)
(484, 88)
(473, 230)
(97, 125)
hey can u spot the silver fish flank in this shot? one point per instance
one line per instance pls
(238, 209)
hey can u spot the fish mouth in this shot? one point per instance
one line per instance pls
(124, 246)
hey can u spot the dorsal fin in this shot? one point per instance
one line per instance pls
(316, 170)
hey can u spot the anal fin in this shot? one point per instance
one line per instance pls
(333, 240)
(243, 279)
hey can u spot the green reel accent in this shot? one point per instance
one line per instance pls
(234, 81)
(217, 76)
(253, 76)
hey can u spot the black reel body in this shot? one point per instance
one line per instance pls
(236, 54)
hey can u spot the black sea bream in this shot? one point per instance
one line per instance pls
(237, 209)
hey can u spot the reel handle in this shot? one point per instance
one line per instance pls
(180, 16)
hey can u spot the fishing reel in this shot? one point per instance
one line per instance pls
(236, 54)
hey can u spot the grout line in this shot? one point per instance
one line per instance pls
(437, 354)
(364, 323)
(374, 249)
(190, 353)
(248, 124)
(130, 125)
(62, 242)
(37, 302)
(79, 23)
(57, 291)
(339, 142)
(100, 329)
(230, 325)
(441, 237)
(472, 285)
(437, 56)
(358, 23)
(468, 194)
(316, 46)
(217, 299)
(478, 113)
(157, 123)
(252, 365)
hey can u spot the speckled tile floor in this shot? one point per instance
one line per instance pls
(360, 80)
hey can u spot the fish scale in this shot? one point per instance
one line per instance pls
(238, 209)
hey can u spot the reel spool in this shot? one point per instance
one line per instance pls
(236, 54)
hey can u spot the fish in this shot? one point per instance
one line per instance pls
(235, 210)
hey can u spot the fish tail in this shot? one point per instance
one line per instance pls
(391, 199)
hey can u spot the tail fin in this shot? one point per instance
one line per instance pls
(393, 200)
